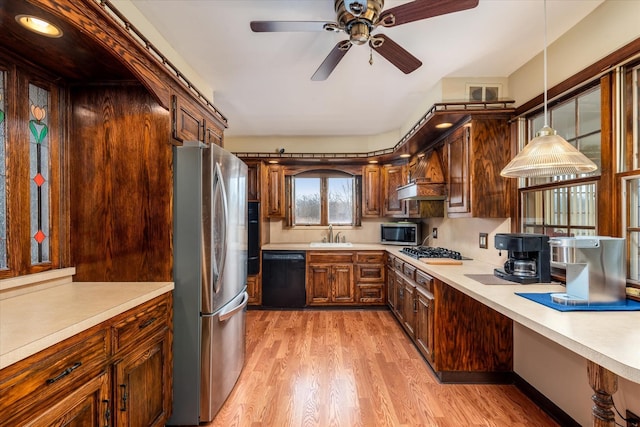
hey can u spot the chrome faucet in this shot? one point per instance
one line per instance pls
(337, 238)
(330, 233)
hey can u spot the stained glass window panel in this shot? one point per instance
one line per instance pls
(39, 173)
(3, 175)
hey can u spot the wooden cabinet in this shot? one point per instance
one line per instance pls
(86, 406)
(254, 173)
(71, 383)
(346, 278)
(254, 289)
(393, 177)
(275, 191)
(188, 124)
(371, 195)
(476, 152)
(462, 339)
(330, 278)
(424, 323)
(143, 384)
(370, 277)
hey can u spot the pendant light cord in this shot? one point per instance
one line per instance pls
(546, 114)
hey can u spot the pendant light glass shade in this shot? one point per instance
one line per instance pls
(546, 155)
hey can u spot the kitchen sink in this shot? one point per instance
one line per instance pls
(330, 245)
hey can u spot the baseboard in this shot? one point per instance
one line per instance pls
(463, 377)
(544, 403)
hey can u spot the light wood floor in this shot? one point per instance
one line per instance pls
(355, 368)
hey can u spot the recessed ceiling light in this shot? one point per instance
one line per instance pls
(405, 155)
(273, 161)
(373, 161)
(39, 25)
(444, 125)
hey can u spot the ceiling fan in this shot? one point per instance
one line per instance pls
(359, 18)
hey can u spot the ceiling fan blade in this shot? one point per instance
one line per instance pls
(423, 9)
(395, 54)
(331, 61)
(278, 26)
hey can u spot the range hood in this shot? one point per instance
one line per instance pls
(427, 181)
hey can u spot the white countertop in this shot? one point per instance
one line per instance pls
(308, 247)
(34, 321)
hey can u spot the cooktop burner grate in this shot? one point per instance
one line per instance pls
(429, 252)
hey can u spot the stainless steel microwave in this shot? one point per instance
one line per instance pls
(400, 233)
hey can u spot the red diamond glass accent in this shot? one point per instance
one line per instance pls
(40, 236)
(39, 179)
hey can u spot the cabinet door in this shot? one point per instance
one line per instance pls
(409, 308)
(188, 123)
(254, 289)
(253, 181)
(458, 171)
(142, 384)
(391, 289)
(424, 324)
(343, 289)
(86, 406)
(392, 178)
(399, 312)
(212, 135)
(275, 191)
(371, 191)
(318, 283)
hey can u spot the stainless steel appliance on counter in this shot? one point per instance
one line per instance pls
(528, 257)
(595, 268)
(210, 275)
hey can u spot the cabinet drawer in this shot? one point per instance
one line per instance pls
(53, 371)
(370, 257)
(132, 329)
(390, 261)
(409, 271)
(425, 280)
(370, 293)
(370, 273)
(330, 257)
(397, 264)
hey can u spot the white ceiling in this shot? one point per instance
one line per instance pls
(262, 81)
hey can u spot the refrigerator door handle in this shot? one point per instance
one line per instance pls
(227, 314)
(220, 229)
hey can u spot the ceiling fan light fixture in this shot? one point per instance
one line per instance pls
(359, 33)
(548, 154)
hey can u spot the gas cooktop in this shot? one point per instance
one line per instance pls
(429, 252)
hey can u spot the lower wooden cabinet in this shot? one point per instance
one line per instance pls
(118, 373)
(462, 339)
(254, 289)
(346, 278)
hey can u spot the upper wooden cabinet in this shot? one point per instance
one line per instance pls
(275, 191)
(476, 153)
(254, 171)
(393, 177)
(371, 181)
(190, 123)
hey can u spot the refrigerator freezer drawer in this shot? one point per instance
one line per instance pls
(223, 353)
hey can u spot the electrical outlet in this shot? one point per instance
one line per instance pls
(434, 233)
(482, 241)
(632, 419)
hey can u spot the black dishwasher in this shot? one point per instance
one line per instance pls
(283, 279)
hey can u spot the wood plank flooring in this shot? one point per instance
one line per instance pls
(352, 368)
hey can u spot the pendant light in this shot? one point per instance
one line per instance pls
(548, 154)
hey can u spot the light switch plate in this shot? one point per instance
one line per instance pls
(483, 241)
(434, 233)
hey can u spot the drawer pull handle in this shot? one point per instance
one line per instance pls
(64, 373)
(125, 396)
(147, 322)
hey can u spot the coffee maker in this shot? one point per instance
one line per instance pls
(528, 257)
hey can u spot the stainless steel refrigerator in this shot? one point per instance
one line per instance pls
(210, 275)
